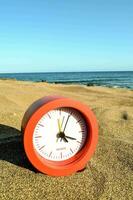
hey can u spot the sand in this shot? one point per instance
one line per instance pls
(108, 175)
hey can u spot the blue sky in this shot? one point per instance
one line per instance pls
(71, 35)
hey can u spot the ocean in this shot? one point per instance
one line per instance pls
(123, 79)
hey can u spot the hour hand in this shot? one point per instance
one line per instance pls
(71, 138)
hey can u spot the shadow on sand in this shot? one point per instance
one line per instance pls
(11, 149)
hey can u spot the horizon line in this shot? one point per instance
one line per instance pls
(65, 71)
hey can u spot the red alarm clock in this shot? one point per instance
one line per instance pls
(60, 135)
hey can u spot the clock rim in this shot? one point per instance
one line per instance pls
(76, 162)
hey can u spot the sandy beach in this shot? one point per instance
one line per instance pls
(108, 175)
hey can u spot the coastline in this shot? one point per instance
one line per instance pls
(116, 79)
(108, 173)
(70, 83)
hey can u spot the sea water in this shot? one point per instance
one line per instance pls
(109, 79)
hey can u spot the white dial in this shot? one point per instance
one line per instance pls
(60, 134)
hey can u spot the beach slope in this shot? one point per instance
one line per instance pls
(108, 174)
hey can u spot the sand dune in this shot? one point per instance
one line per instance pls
(108, 175)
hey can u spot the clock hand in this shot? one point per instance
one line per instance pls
(66, 122)
(59, 128)
(61, 133)
(70, 137)
(62, 122)
(59, 125)
(65, 140)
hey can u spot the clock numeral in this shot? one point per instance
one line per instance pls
(71, 150)
(78, 121)
(79, 142)
(42, 147)
(49, 115)
(71, 113)
(41, 125)
(61, 154)
(50, 153)
(39, 136)
(82, 131)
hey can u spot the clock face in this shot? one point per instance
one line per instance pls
(60, 134)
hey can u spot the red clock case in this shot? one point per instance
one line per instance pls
(69, 166)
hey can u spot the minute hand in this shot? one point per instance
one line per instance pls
(66, 123)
